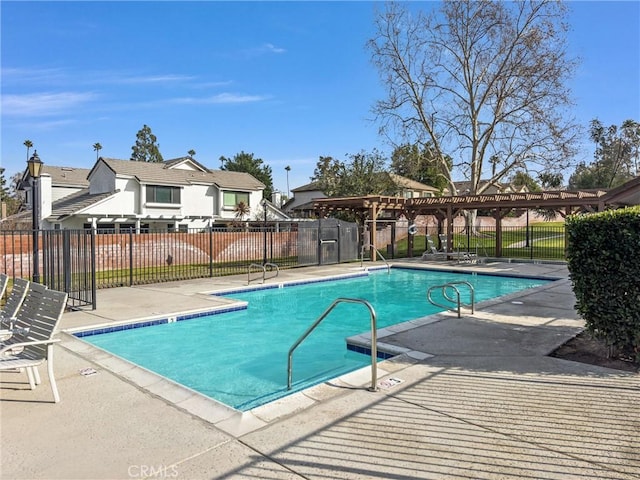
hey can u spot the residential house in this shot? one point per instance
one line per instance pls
(177, 194)
(302, 201)
(464, 188)
(412, 189)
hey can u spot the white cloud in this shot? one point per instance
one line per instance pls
(24, 76)
(59, 76)
(45, 125)
(147, 79)
(269, 47)
(221, 98)
(41, 104)
(264, 49)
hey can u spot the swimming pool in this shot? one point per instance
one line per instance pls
(240, 357)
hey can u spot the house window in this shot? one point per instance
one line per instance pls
(163, 194)
(231, 199)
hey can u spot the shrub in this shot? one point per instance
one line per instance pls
(603, 254)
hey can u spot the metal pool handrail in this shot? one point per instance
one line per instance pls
(457, 299)
(374, 339)
(377, 251)
(264, 271)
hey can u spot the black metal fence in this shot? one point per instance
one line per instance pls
(538, 241)
(81, 261)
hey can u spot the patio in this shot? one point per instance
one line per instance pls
(475, 397)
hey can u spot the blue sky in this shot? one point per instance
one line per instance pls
(286, 81)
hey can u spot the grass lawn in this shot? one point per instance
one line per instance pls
(545, 240)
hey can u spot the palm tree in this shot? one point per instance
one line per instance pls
(191, 153)
(242, 210)
(288, 169)
(28, 144)
(97, 147)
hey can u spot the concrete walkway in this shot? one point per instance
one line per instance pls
(475, 397)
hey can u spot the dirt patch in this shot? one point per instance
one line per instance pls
(586, 349)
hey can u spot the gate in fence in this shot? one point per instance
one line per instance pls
(68, 264)
(65, 261)
(327, 241)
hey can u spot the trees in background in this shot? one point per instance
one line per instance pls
(418, 164)
(8, 192)
(246, 162)
(523, 179)
(364, 173)
(29, 144)
(483, 82)
(616, 156)
(146, 148)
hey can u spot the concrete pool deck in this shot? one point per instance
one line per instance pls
(475, 397)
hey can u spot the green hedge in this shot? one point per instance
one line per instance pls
(603, 254)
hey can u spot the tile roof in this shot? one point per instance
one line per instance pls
(75, 202)
(309, 187)
(150, 172)
(405, 182)
(177, 161)
(67, 176)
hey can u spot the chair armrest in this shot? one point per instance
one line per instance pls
(13, 346)
(8, 320)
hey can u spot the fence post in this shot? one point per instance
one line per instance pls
(94, 300)
(530, 237)
(130, 258)
(271, 243)
(319, 246)
(66, 260)
(210, 250)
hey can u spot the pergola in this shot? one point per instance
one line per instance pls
(374, 208)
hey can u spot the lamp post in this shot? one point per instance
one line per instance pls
(264, 231)
(35, 168)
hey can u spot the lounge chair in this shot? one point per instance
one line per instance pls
(17, 325)
(4, 281)
(44, 308)
(12, 305)
(457, 253)
(432, 253)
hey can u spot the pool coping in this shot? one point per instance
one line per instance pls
(238, 423)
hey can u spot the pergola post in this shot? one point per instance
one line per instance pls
(449, 228)
(498, 217)
(373, 214)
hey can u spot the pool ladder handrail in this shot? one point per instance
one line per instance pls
(369, 245)
(452, 285)
(263, 267)
(374, 340)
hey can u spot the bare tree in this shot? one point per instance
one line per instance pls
(482, 83)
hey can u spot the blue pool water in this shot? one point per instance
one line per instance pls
(240, 357)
